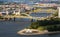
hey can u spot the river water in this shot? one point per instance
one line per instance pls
(10, 28)
(40, 14)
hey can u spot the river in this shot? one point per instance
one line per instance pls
(10, 29)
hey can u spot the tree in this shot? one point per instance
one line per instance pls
(34, 25)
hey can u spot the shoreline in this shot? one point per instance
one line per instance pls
(38, 32)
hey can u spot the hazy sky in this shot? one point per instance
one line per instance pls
(27, 0)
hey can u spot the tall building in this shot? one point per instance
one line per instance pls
(59, 12)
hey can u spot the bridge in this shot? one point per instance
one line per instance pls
(27, 16)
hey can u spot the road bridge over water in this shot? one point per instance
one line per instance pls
(29, 17)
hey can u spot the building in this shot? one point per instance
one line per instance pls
(0, 13)
(59, 12)
(16, 12)
(45, 5)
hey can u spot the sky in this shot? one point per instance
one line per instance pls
(30, 0)
(24, 1)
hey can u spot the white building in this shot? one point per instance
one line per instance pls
(59, 12)
(7, 13)
(17, 12)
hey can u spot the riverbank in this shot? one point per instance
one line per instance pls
(35, 32)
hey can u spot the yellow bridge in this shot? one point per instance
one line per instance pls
(29, 17)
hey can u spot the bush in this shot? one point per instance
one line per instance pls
(51, 25)
(41, 28)
(55, 14)
(34, 25)
(52, 21)
(53, 28)
(1, 17)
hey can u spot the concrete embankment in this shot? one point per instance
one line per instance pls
(35, 32)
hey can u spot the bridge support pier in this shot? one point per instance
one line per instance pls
(10, 19)
(14, 19)
(31, 20)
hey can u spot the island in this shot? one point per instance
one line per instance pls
(50, 25)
